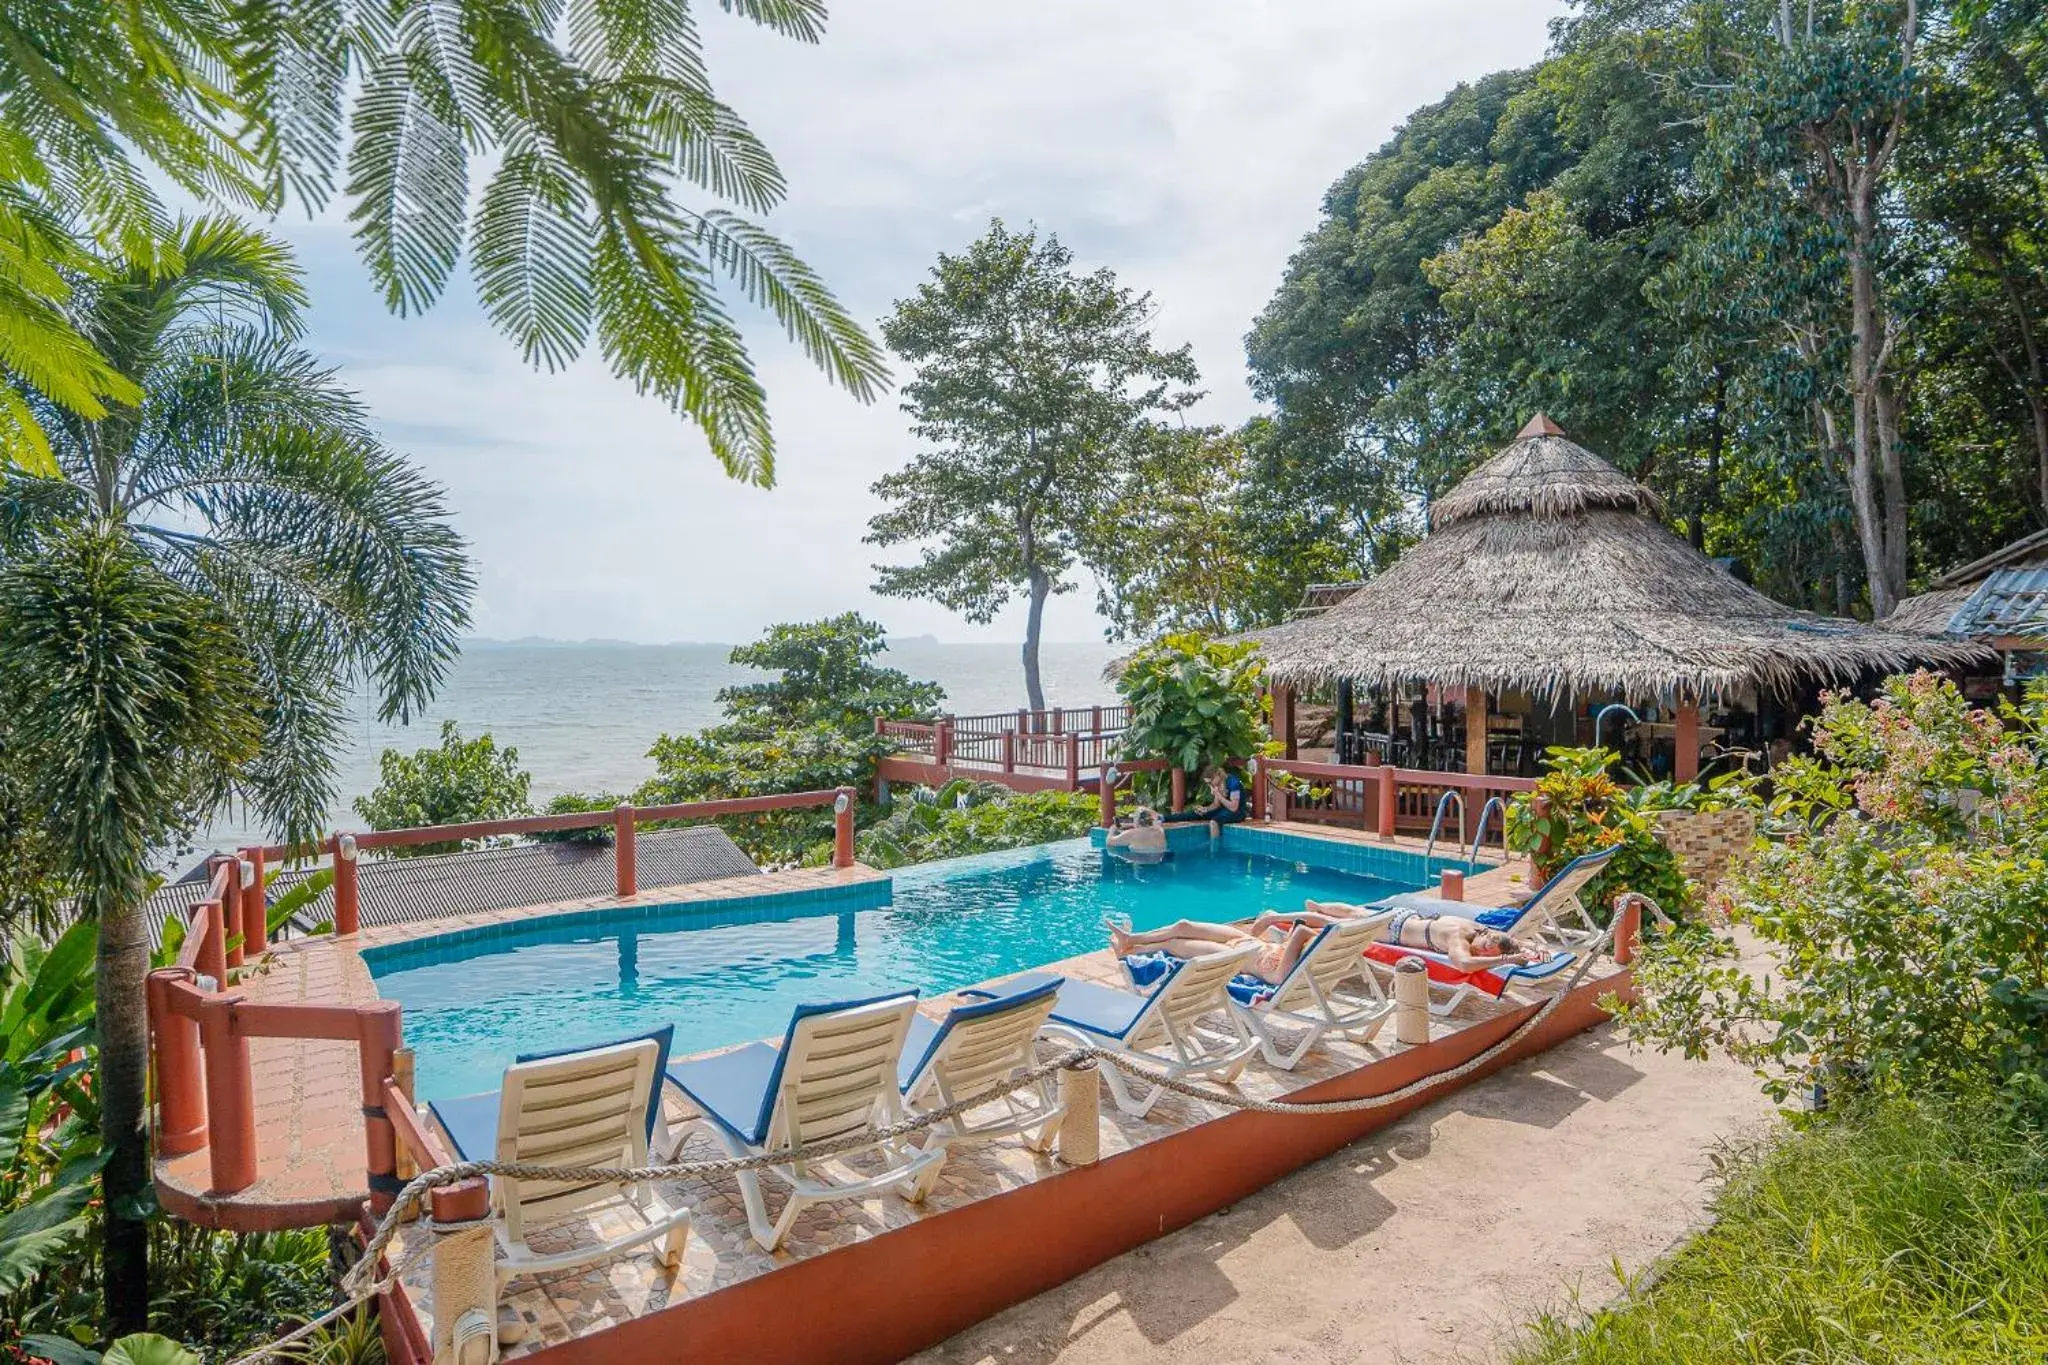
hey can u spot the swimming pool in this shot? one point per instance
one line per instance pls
(727, 972)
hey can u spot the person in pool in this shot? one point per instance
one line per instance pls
(1144, 839)
(1229, 802)
(1470, 945)
(1193, 938)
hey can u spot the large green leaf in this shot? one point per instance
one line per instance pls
(34, 1234)
(147, 1348)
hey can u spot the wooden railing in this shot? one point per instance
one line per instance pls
(1052, 747)
(201, 1026)
(1378, 797)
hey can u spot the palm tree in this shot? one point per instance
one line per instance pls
(186, 605)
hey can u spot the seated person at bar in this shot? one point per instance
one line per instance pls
(1229, 802)
(1143, 839)
(1470, 945)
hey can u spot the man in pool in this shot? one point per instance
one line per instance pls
(1143, 840)
(1470, 945)
(1192, 938)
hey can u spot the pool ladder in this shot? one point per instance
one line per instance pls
(1485, 813)
(1436, 826)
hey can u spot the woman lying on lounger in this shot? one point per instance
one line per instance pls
(1192, 938)
(1470, 945)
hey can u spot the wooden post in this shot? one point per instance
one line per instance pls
(230, 910)
(1475, 730)
(1179, 798)
(842, 828)
(1095, 720)
(1451, 885)
(230, 1105)
(1073, 763)
(1106, 797)
(255, 907)
(213, 946)
(379, 1035)
(1685, 740)
(1388, 797)
(180, 1098)
(1283, 719)
(1009, 751)
(402, 1073)
(346, 917)
(1260, 784)
(1059, 720)
(625, 857)
(942, 741)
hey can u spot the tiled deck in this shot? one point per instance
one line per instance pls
(311, 1145)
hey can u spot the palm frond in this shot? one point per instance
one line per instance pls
(803, 20)
(771, 275)
(531, 253)
(408, 173)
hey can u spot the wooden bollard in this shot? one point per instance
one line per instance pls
(1081, 1125)
(1451, 886)
(465, 1300)
(1411, 1002)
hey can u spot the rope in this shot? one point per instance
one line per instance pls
(359, 1286)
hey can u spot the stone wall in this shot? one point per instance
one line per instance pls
(1707, 843)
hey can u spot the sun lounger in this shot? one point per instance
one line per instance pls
(1162, 1028)
(587, 1108)
(1456, 983)
(1309, 997)
(1555, 912)
(834, 1075)
(973, 1047)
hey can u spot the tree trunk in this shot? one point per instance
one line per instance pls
(1873, 446)
(1041, 588)
(120, 967)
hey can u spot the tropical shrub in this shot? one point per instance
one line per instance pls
(810, 728)
(453, 782)
(1194, 702)
(965, 817)
(1578, 808)
(1905, 905)
(569, 803)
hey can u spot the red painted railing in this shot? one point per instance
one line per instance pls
(202, 1026)
(1379, 797)
(1058, 743)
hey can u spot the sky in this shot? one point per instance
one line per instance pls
(1185, 144)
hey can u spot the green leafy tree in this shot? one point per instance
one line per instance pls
(964, 818)
(811, 728)
(550, 145)
(1034, 387)
(450, 783)
(184, 607)
(1194, 702)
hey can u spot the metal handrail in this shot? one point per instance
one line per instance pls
(1436, 825)
(1485, 813)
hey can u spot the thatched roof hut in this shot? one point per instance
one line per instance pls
(1546, 571)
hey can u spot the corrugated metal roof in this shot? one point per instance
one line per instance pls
(401, 890)
(2009, 602)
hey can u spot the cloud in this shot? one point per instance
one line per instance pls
(1185, 144)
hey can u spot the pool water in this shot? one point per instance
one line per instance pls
(730, 976)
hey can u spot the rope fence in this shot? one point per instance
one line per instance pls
(361, 1282)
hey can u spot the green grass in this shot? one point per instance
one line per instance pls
(1912, 1234)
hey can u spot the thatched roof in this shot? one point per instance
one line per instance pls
(1546, 571)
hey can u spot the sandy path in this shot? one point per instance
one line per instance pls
(1429, 1241)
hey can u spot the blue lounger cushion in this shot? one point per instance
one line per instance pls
(728, 1087)
(471, 1122)
(738, 1087)
(928, 1035)
(1146, 968)
(1536, 971)
(1083, 1004)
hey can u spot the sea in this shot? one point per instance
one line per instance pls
(582, 716)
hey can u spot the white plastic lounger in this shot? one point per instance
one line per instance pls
(834, 1075)
(1554, 912)
(1454, 983)
(974, 1047)
(1161, 1028)
(578, 1109)
(1309, 995)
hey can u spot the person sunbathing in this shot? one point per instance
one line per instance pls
(1470, 945)
(1193, 938)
